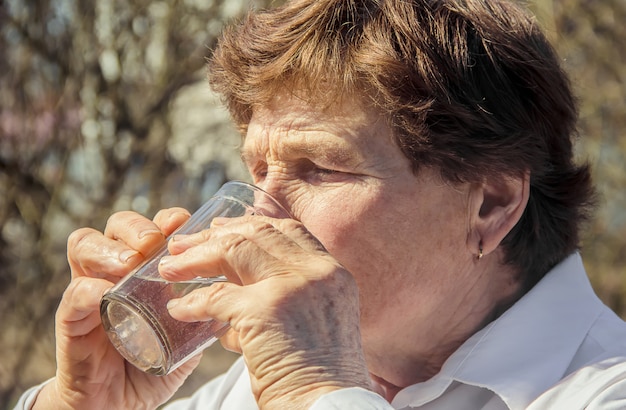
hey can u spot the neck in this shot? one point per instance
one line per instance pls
(385, 389)
(464, 313)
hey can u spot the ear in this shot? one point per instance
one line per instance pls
(496, 205)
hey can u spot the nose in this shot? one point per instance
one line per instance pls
(271, 202)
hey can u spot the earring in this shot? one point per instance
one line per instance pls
(480, 251)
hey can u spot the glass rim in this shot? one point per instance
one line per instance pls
(254, 188)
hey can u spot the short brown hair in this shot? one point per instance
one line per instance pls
(471, 87)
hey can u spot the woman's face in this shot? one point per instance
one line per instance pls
(403, 236)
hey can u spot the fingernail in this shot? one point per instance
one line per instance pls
(127, 255)
(219, 221)
(178, 237)
(173, 303)
(164, 261)
(177, 214)
(147, 232)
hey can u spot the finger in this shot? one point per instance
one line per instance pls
(168, 220)
(243, 249)
(234, 255)
(179, 243)
(293, 229)
(79, 310)
(289, 227)
(90, 253)
(210, 259)
(199, 304)
(270, 234)
(230, 341)
(134, 230)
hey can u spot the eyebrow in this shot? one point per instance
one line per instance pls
(327, 153)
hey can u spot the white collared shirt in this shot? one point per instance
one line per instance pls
(559, 347)
(558, 328)
(555, 329)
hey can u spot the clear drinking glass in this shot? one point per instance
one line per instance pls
(134, 312)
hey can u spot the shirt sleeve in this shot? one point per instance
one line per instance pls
(29, 397)
(229, 391)
(354, 398)
(205, 398)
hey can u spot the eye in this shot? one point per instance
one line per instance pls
(319, 174)
(325, 171)
(258, 171)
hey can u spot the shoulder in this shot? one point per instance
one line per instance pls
(597, 385)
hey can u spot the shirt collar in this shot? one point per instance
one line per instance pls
(528, 348)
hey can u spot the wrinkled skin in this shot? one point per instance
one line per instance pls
(373, 283)
(90, 373)
(292, 352)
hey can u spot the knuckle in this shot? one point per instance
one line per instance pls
(70, 290)
(218, 287)
(177, 210)
(80, 294)
(213, 294)
(118, 216)
(165, 214)
(136, 222)
(292, 224)
(300, 229)
(198, 302)
(76, 287)
(265, 227)
(162, 213)
(204, 235)
(79, 237)
(232, 242)
(121, 223)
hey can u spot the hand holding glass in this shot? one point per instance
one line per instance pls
(134, 312)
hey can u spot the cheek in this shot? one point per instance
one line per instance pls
(355, 231)
(378, 235)
(332, 222)
(362, 235)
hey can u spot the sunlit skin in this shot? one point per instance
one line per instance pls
(410, 241)
(397, 233)
(90, 373)
(376, 277)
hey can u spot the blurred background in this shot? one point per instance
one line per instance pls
(104, 107)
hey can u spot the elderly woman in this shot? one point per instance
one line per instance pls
(424, 150)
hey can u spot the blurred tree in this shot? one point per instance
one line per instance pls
(589, 35)
(86, 95)
(103, 107)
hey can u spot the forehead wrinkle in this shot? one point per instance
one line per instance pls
(322, 149)
(291, 128)
(299, 139)
(253, 148)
